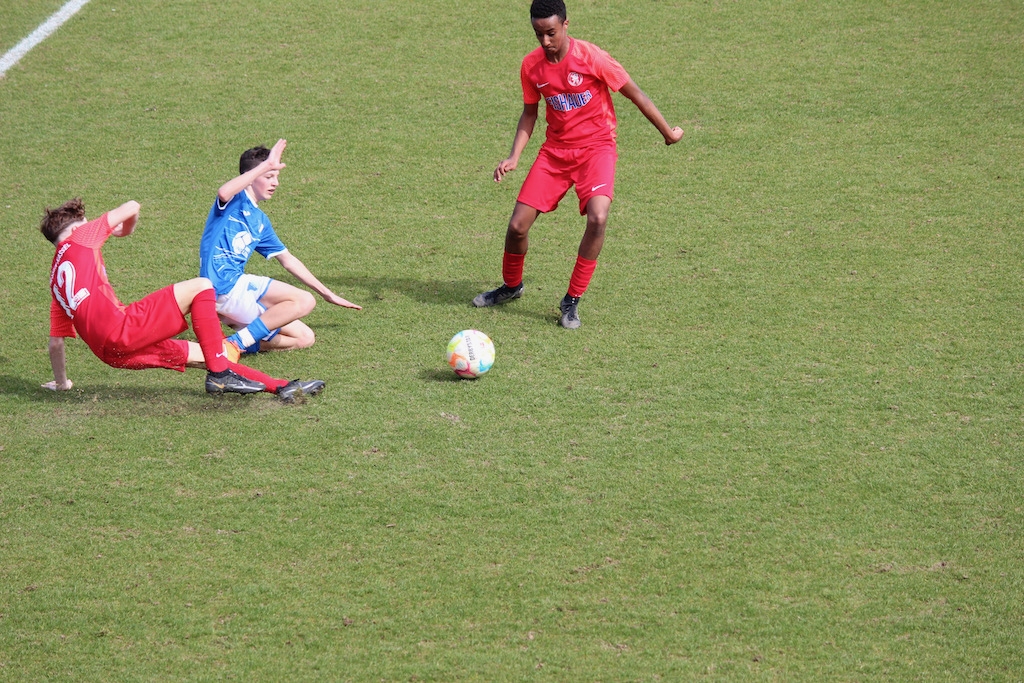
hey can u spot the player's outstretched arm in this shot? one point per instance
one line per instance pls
(297, 268)
(123, 219)
(239, 183)
(59, 364)
(632, 92)
(524, 130)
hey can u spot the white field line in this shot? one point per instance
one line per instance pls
(40, 34)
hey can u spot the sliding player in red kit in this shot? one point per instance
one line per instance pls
(574, 78)
(139, 335)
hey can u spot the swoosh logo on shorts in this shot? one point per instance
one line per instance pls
(595, 188)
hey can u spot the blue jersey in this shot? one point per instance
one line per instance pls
(231, 235)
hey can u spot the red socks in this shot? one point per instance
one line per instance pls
(512, 269)
(252, 373)
(581, 274)
(512, 272)
(207, 328)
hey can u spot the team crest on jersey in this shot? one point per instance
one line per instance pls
(575, 79)
(240, 243)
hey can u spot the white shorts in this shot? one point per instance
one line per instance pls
(241, 305)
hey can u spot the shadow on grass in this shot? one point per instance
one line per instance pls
(456, 293)
(451, 292)
(145, 401)
(438, 375)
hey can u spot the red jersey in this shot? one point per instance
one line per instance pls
(578, 104)
(83, 299)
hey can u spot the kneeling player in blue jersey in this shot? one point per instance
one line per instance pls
(264, 313)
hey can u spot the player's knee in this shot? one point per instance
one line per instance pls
(518, 229)
(306, 302)
(186, 290)
(295, 335)
(597, 219)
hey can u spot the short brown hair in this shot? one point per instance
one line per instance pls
(251, 158)
(55, 220)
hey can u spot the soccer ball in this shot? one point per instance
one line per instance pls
(470, 353)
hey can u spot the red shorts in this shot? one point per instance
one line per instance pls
(591, 170)
(141, 338)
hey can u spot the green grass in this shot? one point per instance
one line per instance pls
(783, 445)
(19, 19)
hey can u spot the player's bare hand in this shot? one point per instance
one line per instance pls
(503, 168)
(674, 136)
(338, 301)
(53, 386)
(275, 155)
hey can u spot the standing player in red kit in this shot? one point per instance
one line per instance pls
(573, 78)
(139, 335)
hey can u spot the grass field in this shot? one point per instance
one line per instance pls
(785, 444)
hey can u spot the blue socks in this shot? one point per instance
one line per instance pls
(248, 338)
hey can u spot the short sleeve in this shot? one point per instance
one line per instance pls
(93, 234)
(605, 67)
(60, 323)
(530, 93)
(219, 210)
(270, 244)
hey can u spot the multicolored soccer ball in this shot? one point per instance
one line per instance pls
(470, 353)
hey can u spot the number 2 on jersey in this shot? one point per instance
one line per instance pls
(66, 279)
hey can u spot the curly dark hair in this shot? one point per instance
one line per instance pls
(542, 9)
(251, 158)
(55, 220)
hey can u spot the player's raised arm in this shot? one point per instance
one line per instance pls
(632, 92)
(239, 183)
(58, 362)
(123, 218)
(524, 130)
